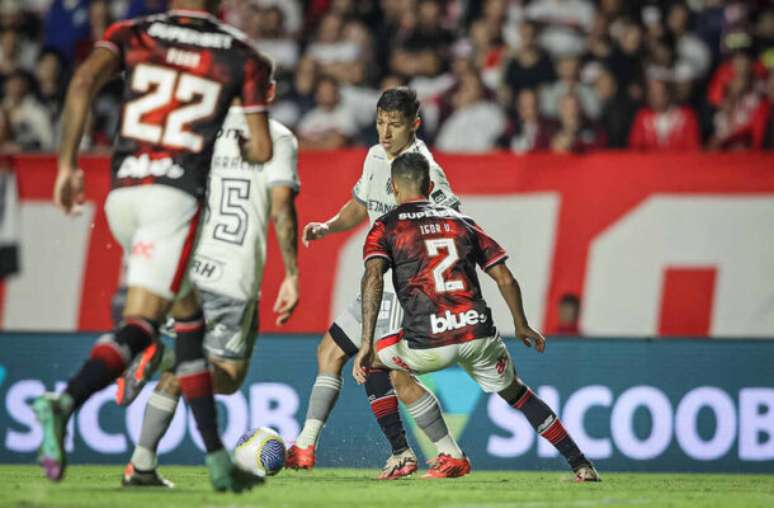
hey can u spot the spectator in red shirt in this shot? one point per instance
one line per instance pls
(740, 122)
(740, 64)
(768, 140)
(662, 125)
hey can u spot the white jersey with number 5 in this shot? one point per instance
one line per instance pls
(231, 253)
(374, 188)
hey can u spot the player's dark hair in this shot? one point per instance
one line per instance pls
(570, 299)
(399, 98)
(412, 169)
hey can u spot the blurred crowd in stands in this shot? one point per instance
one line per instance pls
(517, 75)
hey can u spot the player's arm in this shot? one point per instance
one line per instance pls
(371, 289)
(352, 214)
(92, 75)
(511, 293)
(257, 148)
(258, 88)
(285, 220)
(441, 192)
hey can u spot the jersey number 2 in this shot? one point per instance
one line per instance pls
(434, 247)
(161, 86)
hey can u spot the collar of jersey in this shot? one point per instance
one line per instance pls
(417, 201)
(192, 13)
(413, 146)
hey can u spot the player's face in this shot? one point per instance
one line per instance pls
(395, 131)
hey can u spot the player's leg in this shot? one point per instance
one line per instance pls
(196, 384)
(227, 378)
(141, 471)
(232, 328)
(107, 360)
(421, 403)
(337, 346)
(228, 343)
(384, 405)
(112, 352)
(325, 391)
(490, 365)
(382, 398)
(170, 232)
(547, 424)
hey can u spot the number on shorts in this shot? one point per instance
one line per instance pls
(232, 218)
(160, 85)
(433, 249)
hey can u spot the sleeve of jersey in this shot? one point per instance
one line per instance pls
(490, 252)
(442, 193)
(359, 191)
(376, 243)
(255, 88)
(282, 169)
(115, 37)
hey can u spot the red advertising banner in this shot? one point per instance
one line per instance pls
(653, 244)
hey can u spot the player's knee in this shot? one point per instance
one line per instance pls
(168, 384)
(136, 333)
(330, 357)
(406, 386)
(227, 379)
(514, 392)
(226, 385)
(186, 307)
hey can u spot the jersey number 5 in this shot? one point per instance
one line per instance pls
(161, 86)
(433, 249)
(232, 217)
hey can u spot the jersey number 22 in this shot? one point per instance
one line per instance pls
(161, 86)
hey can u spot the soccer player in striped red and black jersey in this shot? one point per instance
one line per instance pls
(433, 252)
(181, 72)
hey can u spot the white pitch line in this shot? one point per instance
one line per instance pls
(607, 501)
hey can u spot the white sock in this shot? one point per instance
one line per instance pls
(310, 433)
(449, 446)
(143, 459)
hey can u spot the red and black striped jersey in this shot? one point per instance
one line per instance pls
(433, 252)
(182, 70)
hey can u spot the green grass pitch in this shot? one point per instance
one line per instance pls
(98, 486)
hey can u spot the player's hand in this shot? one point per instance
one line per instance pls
(528, 336)
(68, 190)
(287, 299)
(314, 231)
(363, 361)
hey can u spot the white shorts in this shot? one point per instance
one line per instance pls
(486, 360)
(232, 325)
(347, 328)
(156, 225)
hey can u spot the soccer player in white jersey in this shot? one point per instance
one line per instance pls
(227, 270)
(397, 121)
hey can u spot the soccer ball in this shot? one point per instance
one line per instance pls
(260, 451)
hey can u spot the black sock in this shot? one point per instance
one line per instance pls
(109, 357)
(547, 424)
(195, 379)
(384, 404)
